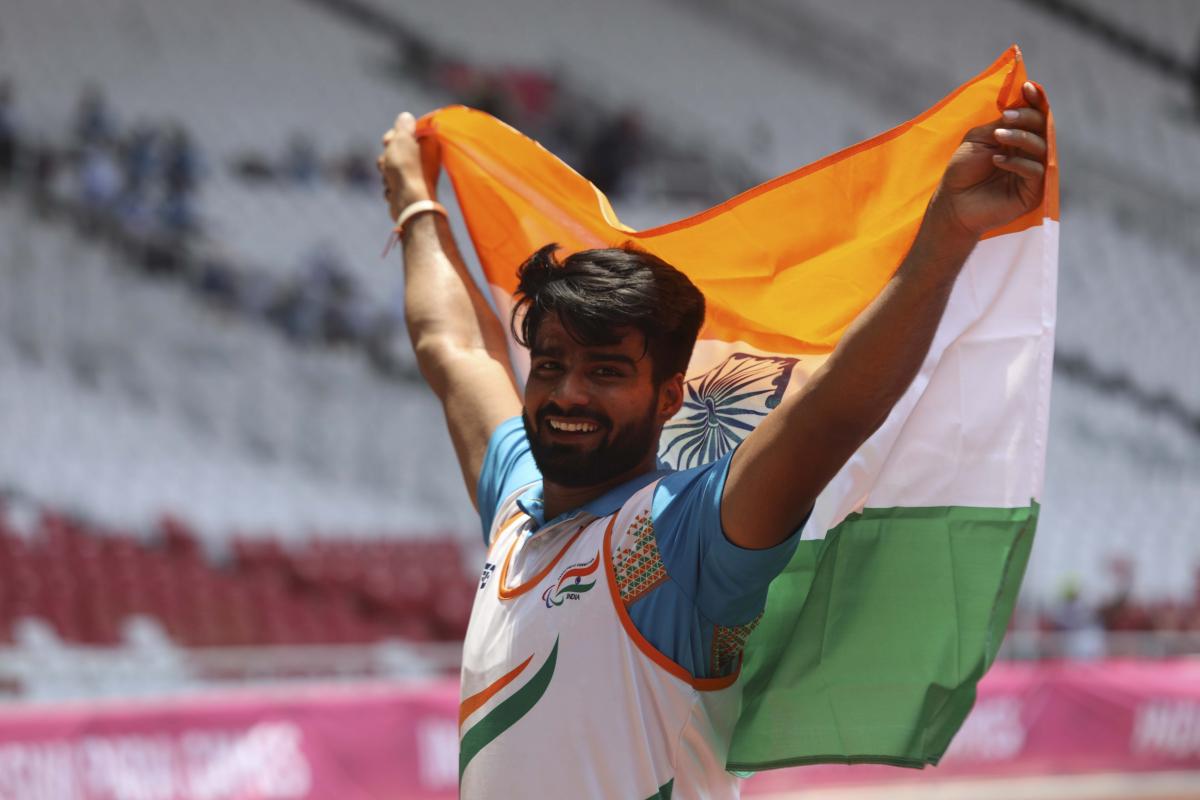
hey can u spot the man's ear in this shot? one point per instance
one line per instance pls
(670, 397)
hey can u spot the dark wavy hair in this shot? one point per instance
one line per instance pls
(597, 293)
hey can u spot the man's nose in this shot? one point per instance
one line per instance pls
(571, 389)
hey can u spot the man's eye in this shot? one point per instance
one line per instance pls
(608, 372)
(547, 366)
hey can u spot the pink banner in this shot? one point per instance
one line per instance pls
(1047, 718)
(401, 742)
(355, 743)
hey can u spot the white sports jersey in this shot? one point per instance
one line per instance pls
(562, 697)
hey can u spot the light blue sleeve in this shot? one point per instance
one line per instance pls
(727, 584)
(507, 466)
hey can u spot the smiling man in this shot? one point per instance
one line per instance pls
(607, 632)
(610, 334)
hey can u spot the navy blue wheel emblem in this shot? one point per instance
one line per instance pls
(722, 405)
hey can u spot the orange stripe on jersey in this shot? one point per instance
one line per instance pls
(472, 703)
(502, 585)
(644, 644)
(500, 531)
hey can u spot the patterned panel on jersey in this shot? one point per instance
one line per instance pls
(728, 643)
(639, 568)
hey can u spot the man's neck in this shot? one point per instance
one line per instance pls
(558, 499)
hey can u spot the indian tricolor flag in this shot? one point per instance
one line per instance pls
(899, 594)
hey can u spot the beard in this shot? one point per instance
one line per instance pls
(575, 468)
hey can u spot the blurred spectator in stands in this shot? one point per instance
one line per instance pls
(1169, 616)
(534, 92)
(349, 318)
(135, 214)
(100, 183)
(182, 168)
(46, 168)
(10, 139)
(482, 90)
(94, 121)
(218, 280)
(415, 58)
(139, 157)
(177, 213)
(181, 162)
(300, 164)
(292, 311)
(1193, 620)
(1120, 613)
(1195, 80)
(254, 167)
(347, 315)
(255, 293)
(387, 344)
(304, 307)
(1083, 635)
(615, 150)
(135, 210)
(356, 169)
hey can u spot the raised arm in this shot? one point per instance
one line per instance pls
(995, 176)
(458, 340)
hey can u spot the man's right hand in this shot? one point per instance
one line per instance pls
(400, 166)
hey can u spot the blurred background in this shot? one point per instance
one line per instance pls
(219, 469)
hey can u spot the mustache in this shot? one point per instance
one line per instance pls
(551, 409)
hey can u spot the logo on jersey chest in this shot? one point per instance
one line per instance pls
(573, 583)
(488, 569)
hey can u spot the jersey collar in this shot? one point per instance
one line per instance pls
(531, 502)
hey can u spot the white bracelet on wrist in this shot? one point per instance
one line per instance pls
(414, 209)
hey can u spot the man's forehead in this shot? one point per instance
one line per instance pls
(552, 335)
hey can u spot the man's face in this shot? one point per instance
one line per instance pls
(592, 412)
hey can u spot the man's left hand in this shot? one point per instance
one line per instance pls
(998, 172)
(400, 165)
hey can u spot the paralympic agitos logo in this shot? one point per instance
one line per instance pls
(571, 582)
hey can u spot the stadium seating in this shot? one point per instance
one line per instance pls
(1120, 483)
(816, 76)
(86, 583)
(143, 53)
(1171, 26)
(135, 399)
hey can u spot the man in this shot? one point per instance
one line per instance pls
(606, 635)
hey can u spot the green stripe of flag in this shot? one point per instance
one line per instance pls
(874, 637)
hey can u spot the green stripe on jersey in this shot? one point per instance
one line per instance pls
(506, 714)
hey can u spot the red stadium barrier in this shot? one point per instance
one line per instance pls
(401, 742)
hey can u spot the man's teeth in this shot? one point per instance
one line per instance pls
(574, 427)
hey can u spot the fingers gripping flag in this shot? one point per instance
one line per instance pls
(899, 593)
